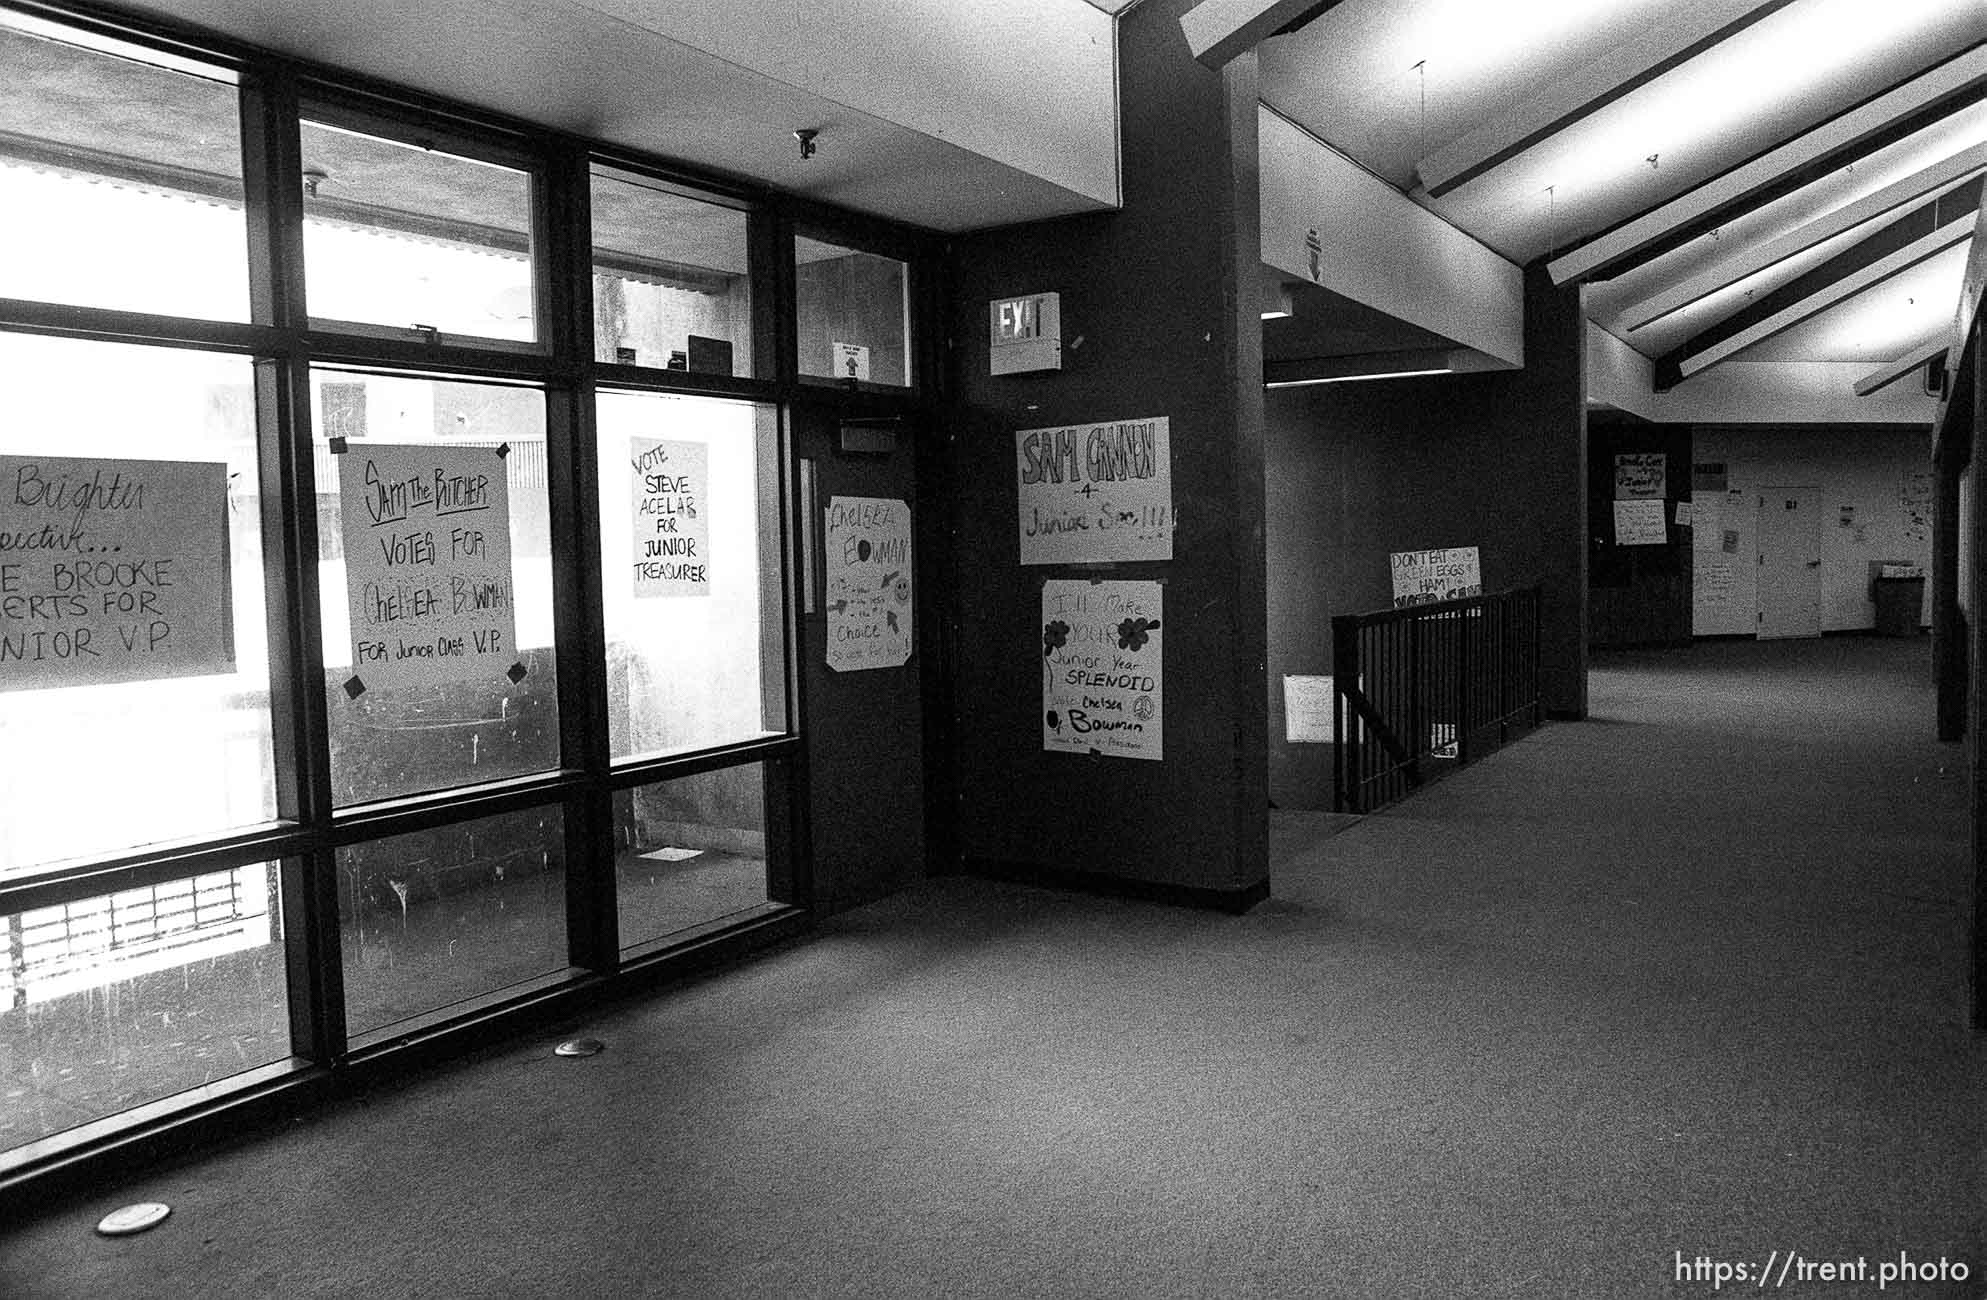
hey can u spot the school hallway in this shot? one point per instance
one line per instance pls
(1682, 981)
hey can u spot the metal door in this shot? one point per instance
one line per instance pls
(1789, 562)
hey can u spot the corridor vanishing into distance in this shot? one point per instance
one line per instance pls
(1685, 980)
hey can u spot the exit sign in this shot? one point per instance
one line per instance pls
(1025, 333)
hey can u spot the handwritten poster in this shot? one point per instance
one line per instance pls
(1717, 584)
(1095, 492)
(1422, 577)
(1101, 680)
(1639, 474)
(1639, 522)
(868, 552)
(427, 565)
(1307, 709)
(1915, 497)
(672, 535)
(112, 571)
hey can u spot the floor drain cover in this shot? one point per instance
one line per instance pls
(133, 1218)
(579, 1047)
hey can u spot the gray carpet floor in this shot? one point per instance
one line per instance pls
(1686, 980)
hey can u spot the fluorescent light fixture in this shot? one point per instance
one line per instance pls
(1350, 379)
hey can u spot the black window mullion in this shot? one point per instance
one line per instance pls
(273, 184)
(578, 618)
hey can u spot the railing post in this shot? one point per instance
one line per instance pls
(1465, 688)
(1417, 715)
(1345, 722)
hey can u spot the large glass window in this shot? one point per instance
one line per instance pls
(134, 664)
(689, 851)
(852, 313)
(437, 917)
(112, 1002)
(410, 237)
(435, 580)
(690, 573)
(120, 180)
(671, 287)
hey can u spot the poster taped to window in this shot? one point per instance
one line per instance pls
(112, 571)
(428, 565)
(672, 533)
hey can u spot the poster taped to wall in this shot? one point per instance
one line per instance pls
(1307, 710)
(1915, 497)
(672, 536)
(1423, 577)
(868, 553)
(1639, 522)
(1095, 492)
(1639, 475)
(428, 578)
(112, 571)
(1102, 689)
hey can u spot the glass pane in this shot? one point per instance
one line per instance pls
(406, 237)
(688, 531)
(670, 282)
(690, 851)
(436, 917)
(134, 661)
(854, 314)
(117, 1001)
(123, 179)
(437, 603)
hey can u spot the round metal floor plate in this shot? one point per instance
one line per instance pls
(579, 1047)
(133, 1218)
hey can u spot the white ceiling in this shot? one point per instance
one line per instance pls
(1588, 113)
(941, 132)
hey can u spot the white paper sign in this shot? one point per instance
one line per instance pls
(1101, 682)
(851, 361)
(671, 482)
(868, 552)
(1639, 522)
(1307, 710)
(1639, 474)
(1422, 577)
(1095, 492)
(1717, 584)
(1683, 514)
(112, 571)
(427, 565)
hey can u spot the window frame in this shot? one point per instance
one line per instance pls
(276, 94)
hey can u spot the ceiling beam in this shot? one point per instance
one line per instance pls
(1835, 281)
(1584, 91)
(1219, 30)
(1932, 345)
(1763, 256)
(1881, 120)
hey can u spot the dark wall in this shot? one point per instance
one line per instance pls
(1361, 470)
(1152, 325)
(1637, 595)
